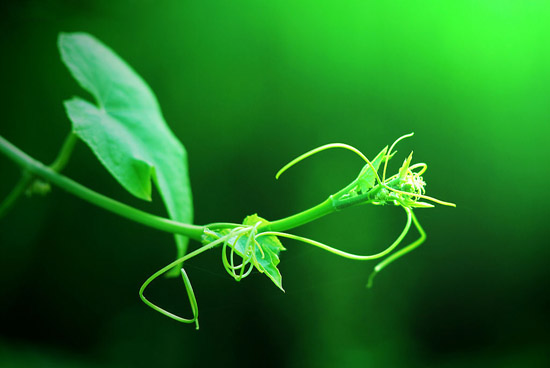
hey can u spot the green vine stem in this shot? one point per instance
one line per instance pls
(15, 194)
(27, 179)
(35, 168)
(65, 153)
(341, 253)
(38, 169)
(322, 209)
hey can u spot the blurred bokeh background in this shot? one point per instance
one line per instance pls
(247, 86)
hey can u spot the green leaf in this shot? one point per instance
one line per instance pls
(405, 167)
(266, 249)
(125, 128)
(267, 258)
(367, 177)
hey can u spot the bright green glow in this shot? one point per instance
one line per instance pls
(247, 86)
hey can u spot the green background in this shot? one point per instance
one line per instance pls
(247, 86)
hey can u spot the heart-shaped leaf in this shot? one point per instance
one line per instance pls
(125, 128)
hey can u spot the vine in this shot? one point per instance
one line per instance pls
(127, 133)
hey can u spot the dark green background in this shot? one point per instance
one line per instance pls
(247, 86)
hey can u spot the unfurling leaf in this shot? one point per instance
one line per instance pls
(367, 177)
(260, 251)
